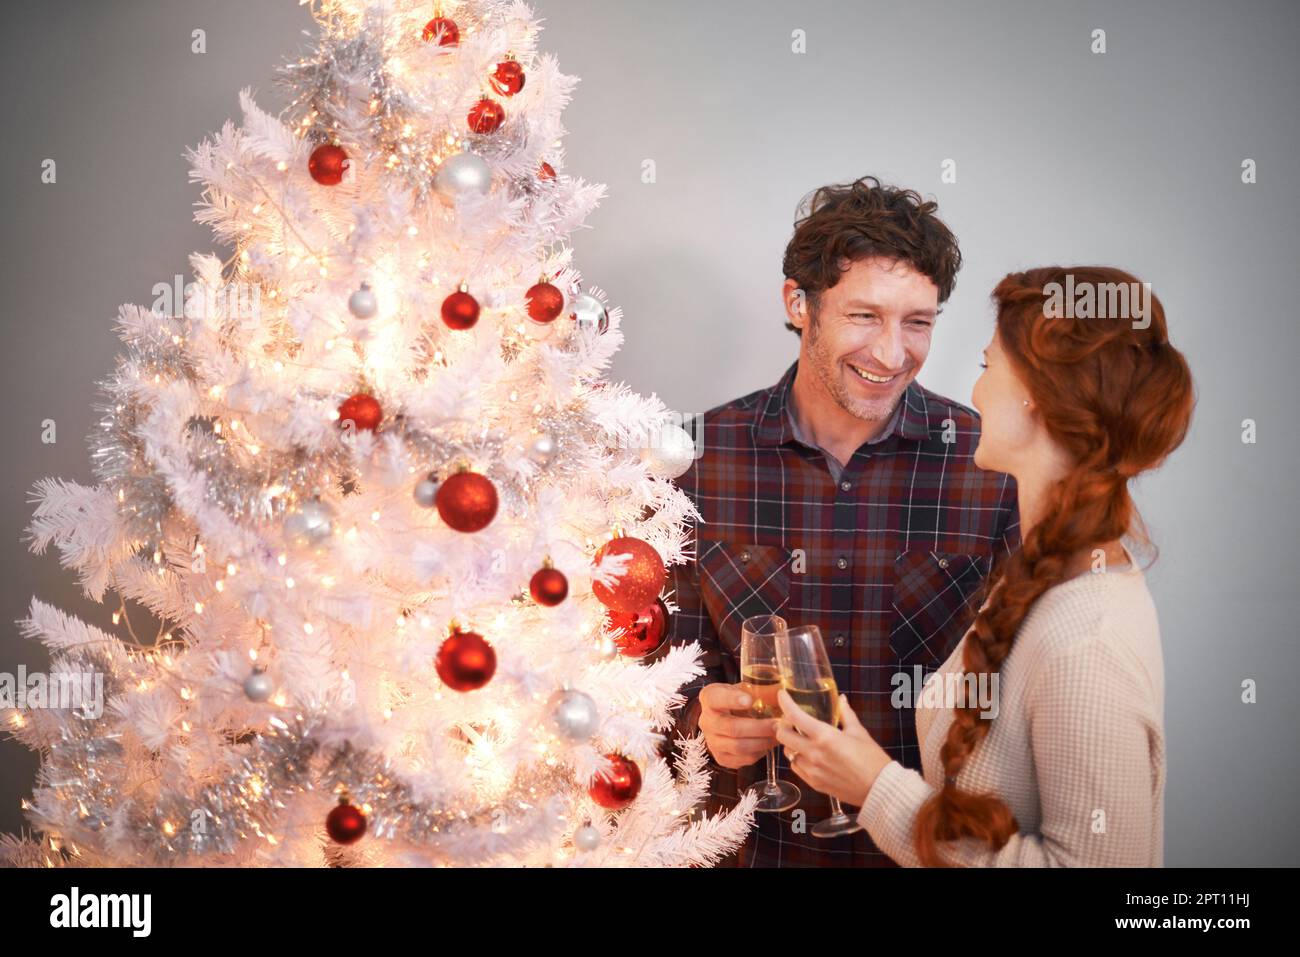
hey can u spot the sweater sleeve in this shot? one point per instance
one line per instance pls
(1093, 745)
(890, 811)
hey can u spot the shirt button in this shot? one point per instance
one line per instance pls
(842, 562)
(846, 486)
(744, 556)
(943, 563)
(839, 641)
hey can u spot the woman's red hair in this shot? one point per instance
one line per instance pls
(1118, 397)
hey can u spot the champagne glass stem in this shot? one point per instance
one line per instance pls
(771, 771)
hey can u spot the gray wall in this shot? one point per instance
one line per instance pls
(1130, 158)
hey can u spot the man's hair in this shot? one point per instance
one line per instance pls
(860, 220)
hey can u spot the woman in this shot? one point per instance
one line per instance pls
(1068, 767)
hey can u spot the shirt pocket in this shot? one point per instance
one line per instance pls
(739, 580)
(935, 597)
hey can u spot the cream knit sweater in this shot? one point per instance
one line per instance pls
(1077, 746)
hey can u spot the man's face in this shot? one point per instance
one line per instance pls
(870, 334)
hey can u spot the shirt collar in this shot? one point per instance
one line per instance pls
(772, 425)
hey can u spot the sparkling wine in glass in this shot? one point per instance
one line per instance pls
(760, 677)
(808, 680)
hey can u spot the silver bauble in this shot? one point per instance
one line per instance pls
(575, 714)
(589, 313)
(670, 453)
(258, 686)
(312, 524)
(461, 175)
(542, 450)
(363, 303)
(586, 838)
(426, 492)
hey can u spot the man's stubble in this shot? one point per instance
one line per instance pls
(825, 366)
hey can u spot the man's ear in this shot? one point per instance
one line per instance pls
(796, 304)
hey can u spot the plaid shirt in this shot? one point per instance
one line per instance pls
(888, 562)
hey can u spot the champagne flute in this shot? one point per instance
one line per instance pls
(808, 679)
(761, 679)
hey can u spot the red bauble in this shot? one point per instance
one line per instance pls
(508, 78)
(545, 302)
(467, 501)
(363, 411)
(460, 310)
(641, 581)
(546, 171)
(465, 661)
(486, 116)
(345, 824)
(618, 788)
(641, 633)
(327, 164)
(444, 29)
(548, 586)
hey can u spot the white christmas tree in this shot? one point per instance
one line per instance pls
(403, 538)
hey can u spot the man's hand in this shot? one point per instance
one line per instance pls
(734, 742)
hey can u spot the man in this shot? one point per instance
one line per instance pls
(844, 496)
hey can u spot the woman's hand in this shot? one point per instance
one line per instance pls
(843, 764)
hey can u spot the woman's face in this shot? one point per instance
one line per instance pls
(1009, 431)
